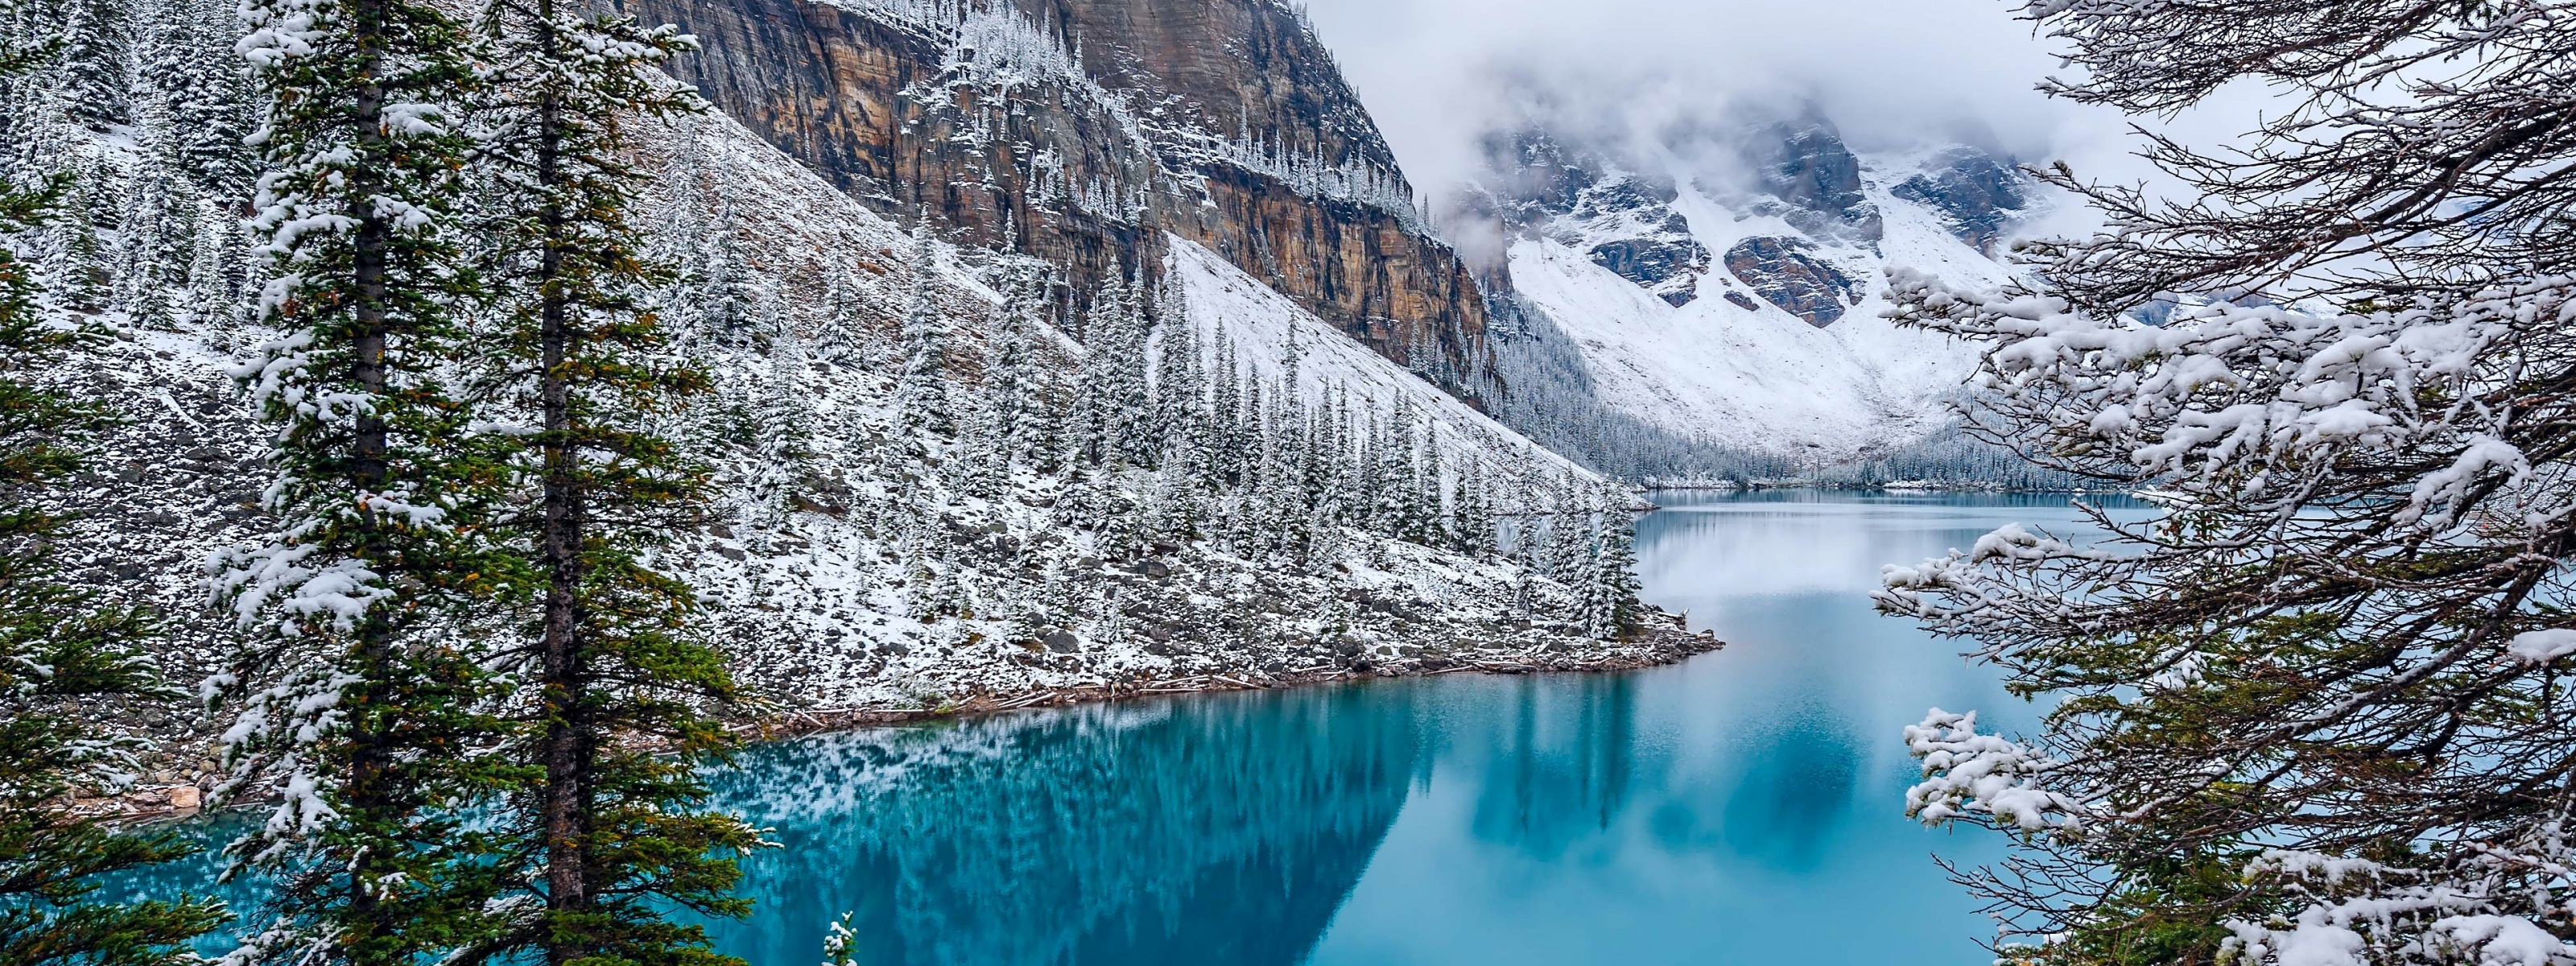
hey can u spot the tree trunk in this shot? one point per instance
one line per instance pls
(569, 739)
(370, 759)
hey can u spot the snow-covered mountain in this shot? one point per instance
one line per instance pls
(1733, 296)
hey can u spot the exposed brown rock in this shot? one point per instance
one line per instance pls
(863, 99)
(1780, 270)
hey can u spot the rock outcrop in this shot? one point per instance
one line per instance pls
(1814, 182)
(1623, 221)
(1082, 130)
(1781, 271)
(1977, 195)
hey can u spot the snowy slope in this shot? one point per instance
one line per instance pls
(1264, 325)
(867, 571)
(1732, 363)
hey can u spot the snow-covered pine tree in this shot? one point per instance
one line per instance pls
(212, 110)
(1016, 379)
(1593, 615)
(91, 72)
(1286, 520)
(74, 270)
(838, 339)
(1090, 422)
(2318, 709)
(1045, 419)
(1471, 519)
(216, 279)
(1179, 390)
(1569, 532)
(1396, 483)
(1609, 590)
(1129, 393)
(362, 688)
(57, 646)
(605, 818)
(1368, 457)
(1328, 444)
(154, 237)
(1225, 443)
(1183, 469)
(783, 435)
(1427, 520)
(717, 283)
(921, 394)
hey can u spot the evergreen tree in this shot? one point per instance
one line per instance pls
(90, 64)
(1471, 526)
(1224, 418)
(610, 838)
(1097, 418)
(782, 429)
(1128, 395)
(922, 392)
(1397, 484)
(1427, 518)
(58, 646)
(1011, 396)
(1178, 389)
(1569, 534)
(215, 277)
(73, 272)
(214, 111)
(718, 283)
(2316, 709)
(1606, 596)
(365, 697)
(839, 340)
(155, 233)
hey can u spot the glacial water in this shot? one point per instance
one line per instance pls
(1744, 807)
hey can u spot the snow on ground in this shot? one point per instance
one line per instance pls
(867, 575)
(1263, 325)
(1761, 378)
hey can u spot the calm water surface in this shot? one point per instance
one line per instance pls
(1744, 807)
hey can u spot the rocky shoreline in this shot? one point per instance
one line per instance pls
(1665, 641)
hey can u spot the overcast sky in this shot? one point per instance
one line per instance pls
(1890, 73)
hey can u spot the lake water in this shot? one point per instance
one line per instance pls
(1743, 807)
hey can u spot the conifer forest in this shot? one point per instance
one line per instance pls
(732, 482)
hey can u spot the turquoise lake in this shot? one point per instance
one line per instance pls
(1743, 807)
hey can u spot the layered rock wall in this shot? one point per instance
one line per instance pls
(1081, 130)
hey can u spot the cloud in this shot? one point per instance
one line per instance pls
(1889, 73)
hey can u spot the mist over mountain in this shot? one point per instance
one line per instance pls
(1441, 74)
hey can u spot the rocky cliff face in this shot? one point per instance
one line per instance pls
(1813, 181)
(1081, 131)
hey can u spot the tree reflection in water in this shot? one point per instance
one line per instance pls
(1215, 830)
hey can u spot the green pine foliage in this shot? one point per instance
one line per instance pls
(58, 648)
(609, 834)
(365, 695)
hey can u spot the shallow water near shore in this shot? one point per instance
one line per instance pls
(1742, 807)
